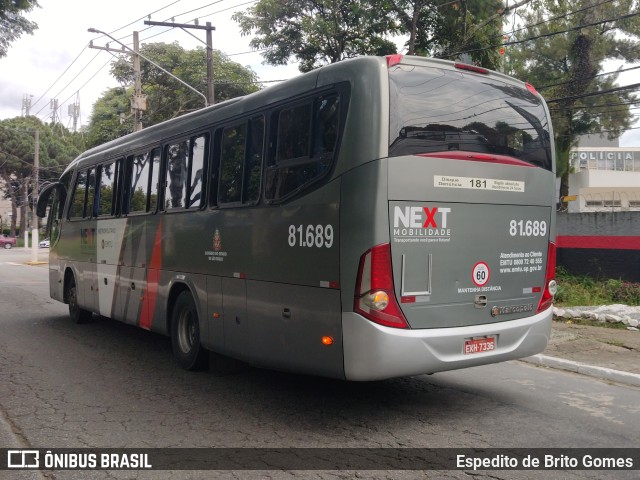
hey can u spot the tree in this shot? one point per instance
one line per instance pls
(166, 97)
(445, 28)
(12, 23)
(17, 147)
(569, 42)
(318, 32)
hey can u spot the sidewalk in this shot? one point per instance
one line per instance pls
(612, 354)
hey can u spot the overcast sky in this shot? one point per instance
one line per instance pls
(56, 62)
(37, 64)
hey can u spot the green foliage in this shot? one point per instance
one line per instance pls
(12, 23)
(58, 147)
(565, 66)
(105, 122)
(318, 32)
(166, 97)
(445, 29)
(627, 293)
(574, 290)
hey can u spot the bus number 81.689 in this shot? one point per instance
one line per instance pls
(311, 236)
(527, 228)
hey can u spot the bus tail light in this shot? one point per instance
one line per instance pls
(394, 59)
(532, 89)
(375, 298)
(471, 68)
(550, 287)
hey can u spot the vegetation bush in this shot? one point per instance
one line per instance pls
(575, 290)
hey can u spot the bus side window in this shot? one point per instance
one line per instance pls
(197, 170)
(215, 168)
(231, 162)
(107, 190)
(242, 151)
(154, 186)
(139, 182)
(325, 128)
(253, 167)
(306, 143)
(91, 209)
(175, 195)
(76, 210)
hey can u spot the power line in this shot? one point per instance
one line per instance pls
(142, 18)
(592, 94)
(61, 75)
(545, 35)
(589, 107)
(589, 78)
(564, 15)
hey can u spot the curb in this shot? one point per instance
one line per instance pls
(603, 373)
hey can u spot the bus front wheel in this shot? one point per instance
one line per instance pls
(77, 314)
(185, 334)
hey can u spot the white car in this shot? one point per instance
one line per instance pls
(44, 243)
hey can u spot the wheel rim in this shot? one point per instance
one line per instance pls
(186, 331)
(73, 300)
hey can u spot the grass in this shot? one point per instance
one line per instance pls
(576, 290)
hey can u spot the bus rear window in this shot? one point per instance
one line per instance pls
(437, 110)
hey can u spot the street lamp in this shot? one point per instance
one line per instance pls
(93, 30)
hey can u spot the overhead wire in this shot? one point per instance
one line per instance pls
(543, 35)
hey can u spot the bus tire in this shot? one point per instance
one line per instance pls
(77, 314)
(185, 334)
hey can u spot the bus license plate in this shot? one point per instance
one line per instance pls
(479, 345)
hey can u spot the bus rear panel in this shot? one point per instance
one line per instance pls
(463, 278)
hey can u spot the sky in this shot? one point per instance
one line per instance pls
(57, 63)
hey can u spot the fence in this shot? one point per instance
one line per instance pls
(600, 244)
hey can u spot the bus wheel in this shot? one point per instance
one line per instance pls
(185, 334)
(77, 314)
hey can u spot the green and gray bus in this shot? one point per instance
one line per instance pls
(374, 218)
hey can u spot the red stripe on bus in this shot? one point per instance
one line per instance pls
(153, 277)
(599, 242)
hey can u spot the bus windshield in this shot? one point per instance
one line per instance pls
(439, 110)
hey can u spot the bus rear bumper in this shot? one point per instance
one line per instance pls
(375, 352)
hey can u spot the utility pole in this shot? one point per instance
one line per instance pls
(26, 105)
(210, 92)
(164, 70)
(74, 111)
(209, 29)
(138, 101)
(54, 108)
(35, 237)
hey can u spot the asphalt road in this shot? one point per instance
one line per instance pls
(106, 384)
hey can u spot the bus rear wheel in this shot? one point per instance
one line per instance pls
(185, 334)
(77, 314)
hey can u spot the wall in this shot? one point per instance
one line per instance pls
(602, 244)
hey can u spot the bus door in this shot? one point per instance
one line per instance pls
(132, 277)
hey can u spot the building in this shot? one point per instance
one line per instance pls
(604, 178)
(5, 212)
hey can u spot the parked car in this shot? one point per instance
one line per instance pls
(44, 243)
(7, 242)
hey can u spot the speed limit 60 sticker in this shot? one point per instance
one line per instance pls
(480, 274)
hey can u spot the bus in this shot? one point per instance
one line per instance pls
(374, 218)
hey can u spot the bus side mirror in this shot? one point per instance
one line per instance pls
(45, 194)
